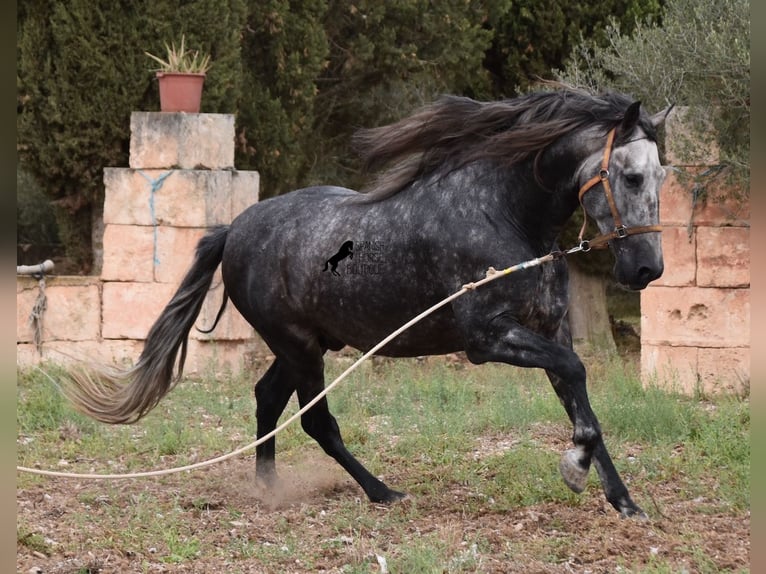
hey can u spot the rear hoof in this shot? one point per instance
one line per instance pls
(633, 512)
(389, 497)
(267, 480)
(574, 475)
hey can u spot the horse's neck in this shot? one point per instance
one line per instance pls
(539, 209)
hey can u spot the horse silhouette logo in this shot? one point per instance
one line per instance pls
(346, 250)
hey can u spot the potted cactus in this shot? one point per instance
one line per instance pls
(181, 76)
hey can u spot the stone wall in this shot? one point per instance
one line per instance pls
(695, 320)
(180, 182)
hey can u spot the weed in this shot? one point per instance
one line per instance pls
(34, 541)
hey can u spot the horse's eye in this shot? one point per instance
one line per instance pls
(634, 179)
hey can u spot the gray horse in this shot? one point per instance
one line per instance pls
(463, 186)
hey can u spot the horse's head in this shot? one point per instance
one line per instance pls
(619, 189)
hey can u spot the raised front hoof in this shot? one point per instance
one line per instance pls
(574, 474)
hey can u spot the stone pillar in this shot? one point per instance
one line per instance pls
(181, 181)
(695, 319)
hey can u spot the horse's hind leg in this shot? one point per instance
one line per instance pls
(308, 374)
(272, 392)
(322, 427)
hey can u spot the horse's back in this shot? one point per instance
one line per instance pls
(276, 249)
(276, 273)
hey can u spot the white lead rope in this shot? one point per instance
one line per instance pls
(491, 275)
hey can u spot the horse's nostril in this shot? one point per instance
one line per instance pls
(648, 274)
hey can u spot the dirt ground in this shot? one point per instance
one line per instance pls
(224, 505)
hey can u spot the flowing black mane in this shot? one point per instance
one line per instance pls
(454, 131)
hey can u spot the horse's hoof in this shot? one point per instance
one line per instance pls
(389, 497)
(267, 480)
(634, 513)
(575, 476)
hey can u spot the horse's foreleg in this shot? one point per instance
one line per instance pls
(272, 393)
(504, 340)
(574, 463)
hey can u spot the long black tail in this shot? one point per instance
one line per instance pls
(114, 396)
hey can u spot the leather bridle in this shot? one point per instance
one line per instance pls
(621, 231)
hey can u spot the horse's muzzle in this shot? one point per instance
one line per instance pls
(634, 269)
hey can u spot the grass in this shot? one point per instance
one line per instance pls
(433, 425)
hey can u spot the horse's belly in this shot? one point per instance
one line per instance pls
(436, 334)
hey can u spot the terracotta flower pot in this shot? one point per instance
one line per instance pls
(180, 92)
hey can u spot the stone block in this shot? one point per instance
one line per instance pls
(27, 291)
(716, 205)
(219, 357)
(679, 255)
(27, 355)
(121, 353)
(131, 308)
(690, 369)
(160, 140)
(725, 370)
(675, 200)
(180, 198)
(175, 252)
(73, 309)
(128, 253)
(671, 368)
(721, 206)
(245, 186)
(73, 313)
(723, 256)
(695, 317)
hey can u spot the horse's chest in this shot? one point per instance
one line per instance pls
(547, 302)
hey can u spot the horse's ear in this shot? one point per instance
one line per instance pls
(660, 117)
(630, 119)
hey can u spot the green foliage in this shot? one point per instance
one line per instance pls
(389, 58)
(531, 37)
(300, 76)
(284, 49)
(699, 56)
(35, 219)
(317, 71)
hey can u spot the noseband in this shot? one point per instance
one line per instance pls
(620, 230)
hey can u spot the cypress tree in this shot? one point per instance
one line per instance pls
(284, 49)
